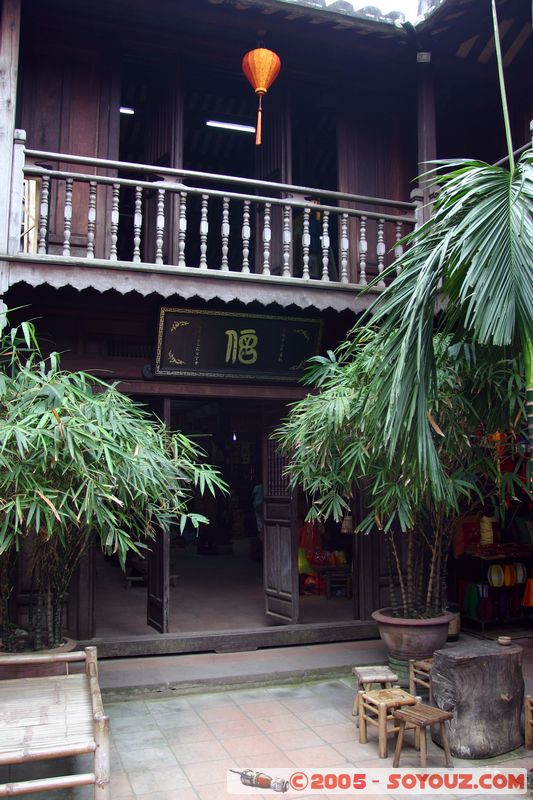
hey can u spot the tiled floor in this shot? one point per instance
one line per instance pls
(179, 748)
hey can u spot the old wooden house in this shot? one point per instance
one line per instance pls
(159, 247)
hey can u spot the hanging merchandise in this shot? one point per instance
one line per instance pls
(347, 524)
(261, 67)
(486, 530)
(527, 598)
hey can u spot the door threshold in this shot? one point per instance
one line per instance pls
(232, 640)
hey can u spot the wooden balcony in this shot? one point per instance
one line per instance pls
(90, 222)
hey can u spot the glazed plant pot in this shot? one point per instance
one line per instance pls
(407, 638)
(9, 671)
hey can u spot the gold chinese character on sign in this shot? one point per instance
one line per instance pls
(241, 346)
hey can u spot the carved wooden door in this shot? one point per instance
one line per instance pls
(280, 543)
(273, 162)
(157, 599)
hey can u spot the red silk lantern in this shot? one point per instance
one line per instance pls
(261, 67)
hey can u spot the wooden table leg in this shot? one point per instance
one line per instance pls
(382, 730)
(446, 746)
(423, 748)
(399, 744)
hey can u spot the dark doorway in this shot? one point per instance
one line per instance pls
(217, 579)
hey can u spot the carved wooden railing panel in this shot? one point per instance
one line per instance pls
(215, 227)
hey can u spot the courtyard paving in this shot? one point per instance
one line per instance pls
(180, 747)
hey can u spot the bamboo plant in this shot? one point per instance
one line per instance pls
(334, 440)
(79, 462)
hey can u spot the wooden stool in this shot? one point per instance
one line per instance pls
(419, 675)
(367, 677)
(422, 717)
(528, 721)
(376, 707)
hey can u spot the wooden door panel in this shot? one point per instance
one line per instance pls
(280, 545)
(157, 604)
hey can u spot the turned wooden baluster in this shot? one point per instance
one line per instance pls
(363, 249)
(246, 232)
(67, 217)
(306, 243)
(91, 219)
(43, 214)
(380, 250)
(398, 248)
(287, 239)
(345, 244)
(137, 224)
(325, 246)
(267, 236)
(204, 230)
(114, 222)
(160, 226)
(225, 233)
(182, 229)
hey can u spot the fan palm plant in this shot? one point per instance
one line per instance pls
(405, 413)
(80, 461)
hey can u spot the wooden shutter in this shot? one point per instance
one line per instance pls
(157, 599)
(280, 556)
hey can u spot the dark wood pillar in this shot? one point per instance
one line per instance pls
(158, 590)
(9, 59)
(426, 129)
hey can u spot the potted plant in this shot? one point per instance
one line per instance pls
(79, 461)
(334, 439)
(405, 407)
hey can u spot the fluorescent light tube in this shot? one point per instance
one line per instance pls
(127, 110)
(231, 126)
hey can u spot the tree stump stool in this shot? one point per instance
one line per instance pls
(376, 708)
(368, 677)
(421, 717)
(482, 685)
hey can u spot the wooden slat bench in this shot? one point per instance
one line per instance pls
(54, 717)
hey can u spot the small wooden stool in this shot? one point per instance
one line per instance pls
(422, 717)
(367, 677)
(419, 675)
(376, 708)
(528, 722)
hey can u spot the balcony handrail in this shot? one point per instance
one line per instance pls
(210, 176)
(36, 171)
(516, 153)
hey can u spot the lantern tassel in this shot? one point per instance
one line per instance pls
(258, 127)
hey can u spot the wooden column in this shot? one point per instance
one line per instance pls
(426, 130)
(9, 58)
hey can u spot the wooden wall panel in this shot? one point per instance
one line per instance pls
(376, 145)
(70, 104)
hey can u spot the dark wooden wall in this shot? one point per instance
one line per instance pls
(69, 103)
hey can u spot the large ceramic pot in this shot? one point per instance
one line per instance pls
(407, 638)
(36, 670)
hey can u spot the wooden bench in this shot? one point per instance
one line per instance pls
(367, 677)
(376, 708)
(528, 721)
(54, 716)
(420, 676)
(420, 717)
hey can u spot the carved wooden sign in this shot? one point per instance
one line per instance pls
(220, 344)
